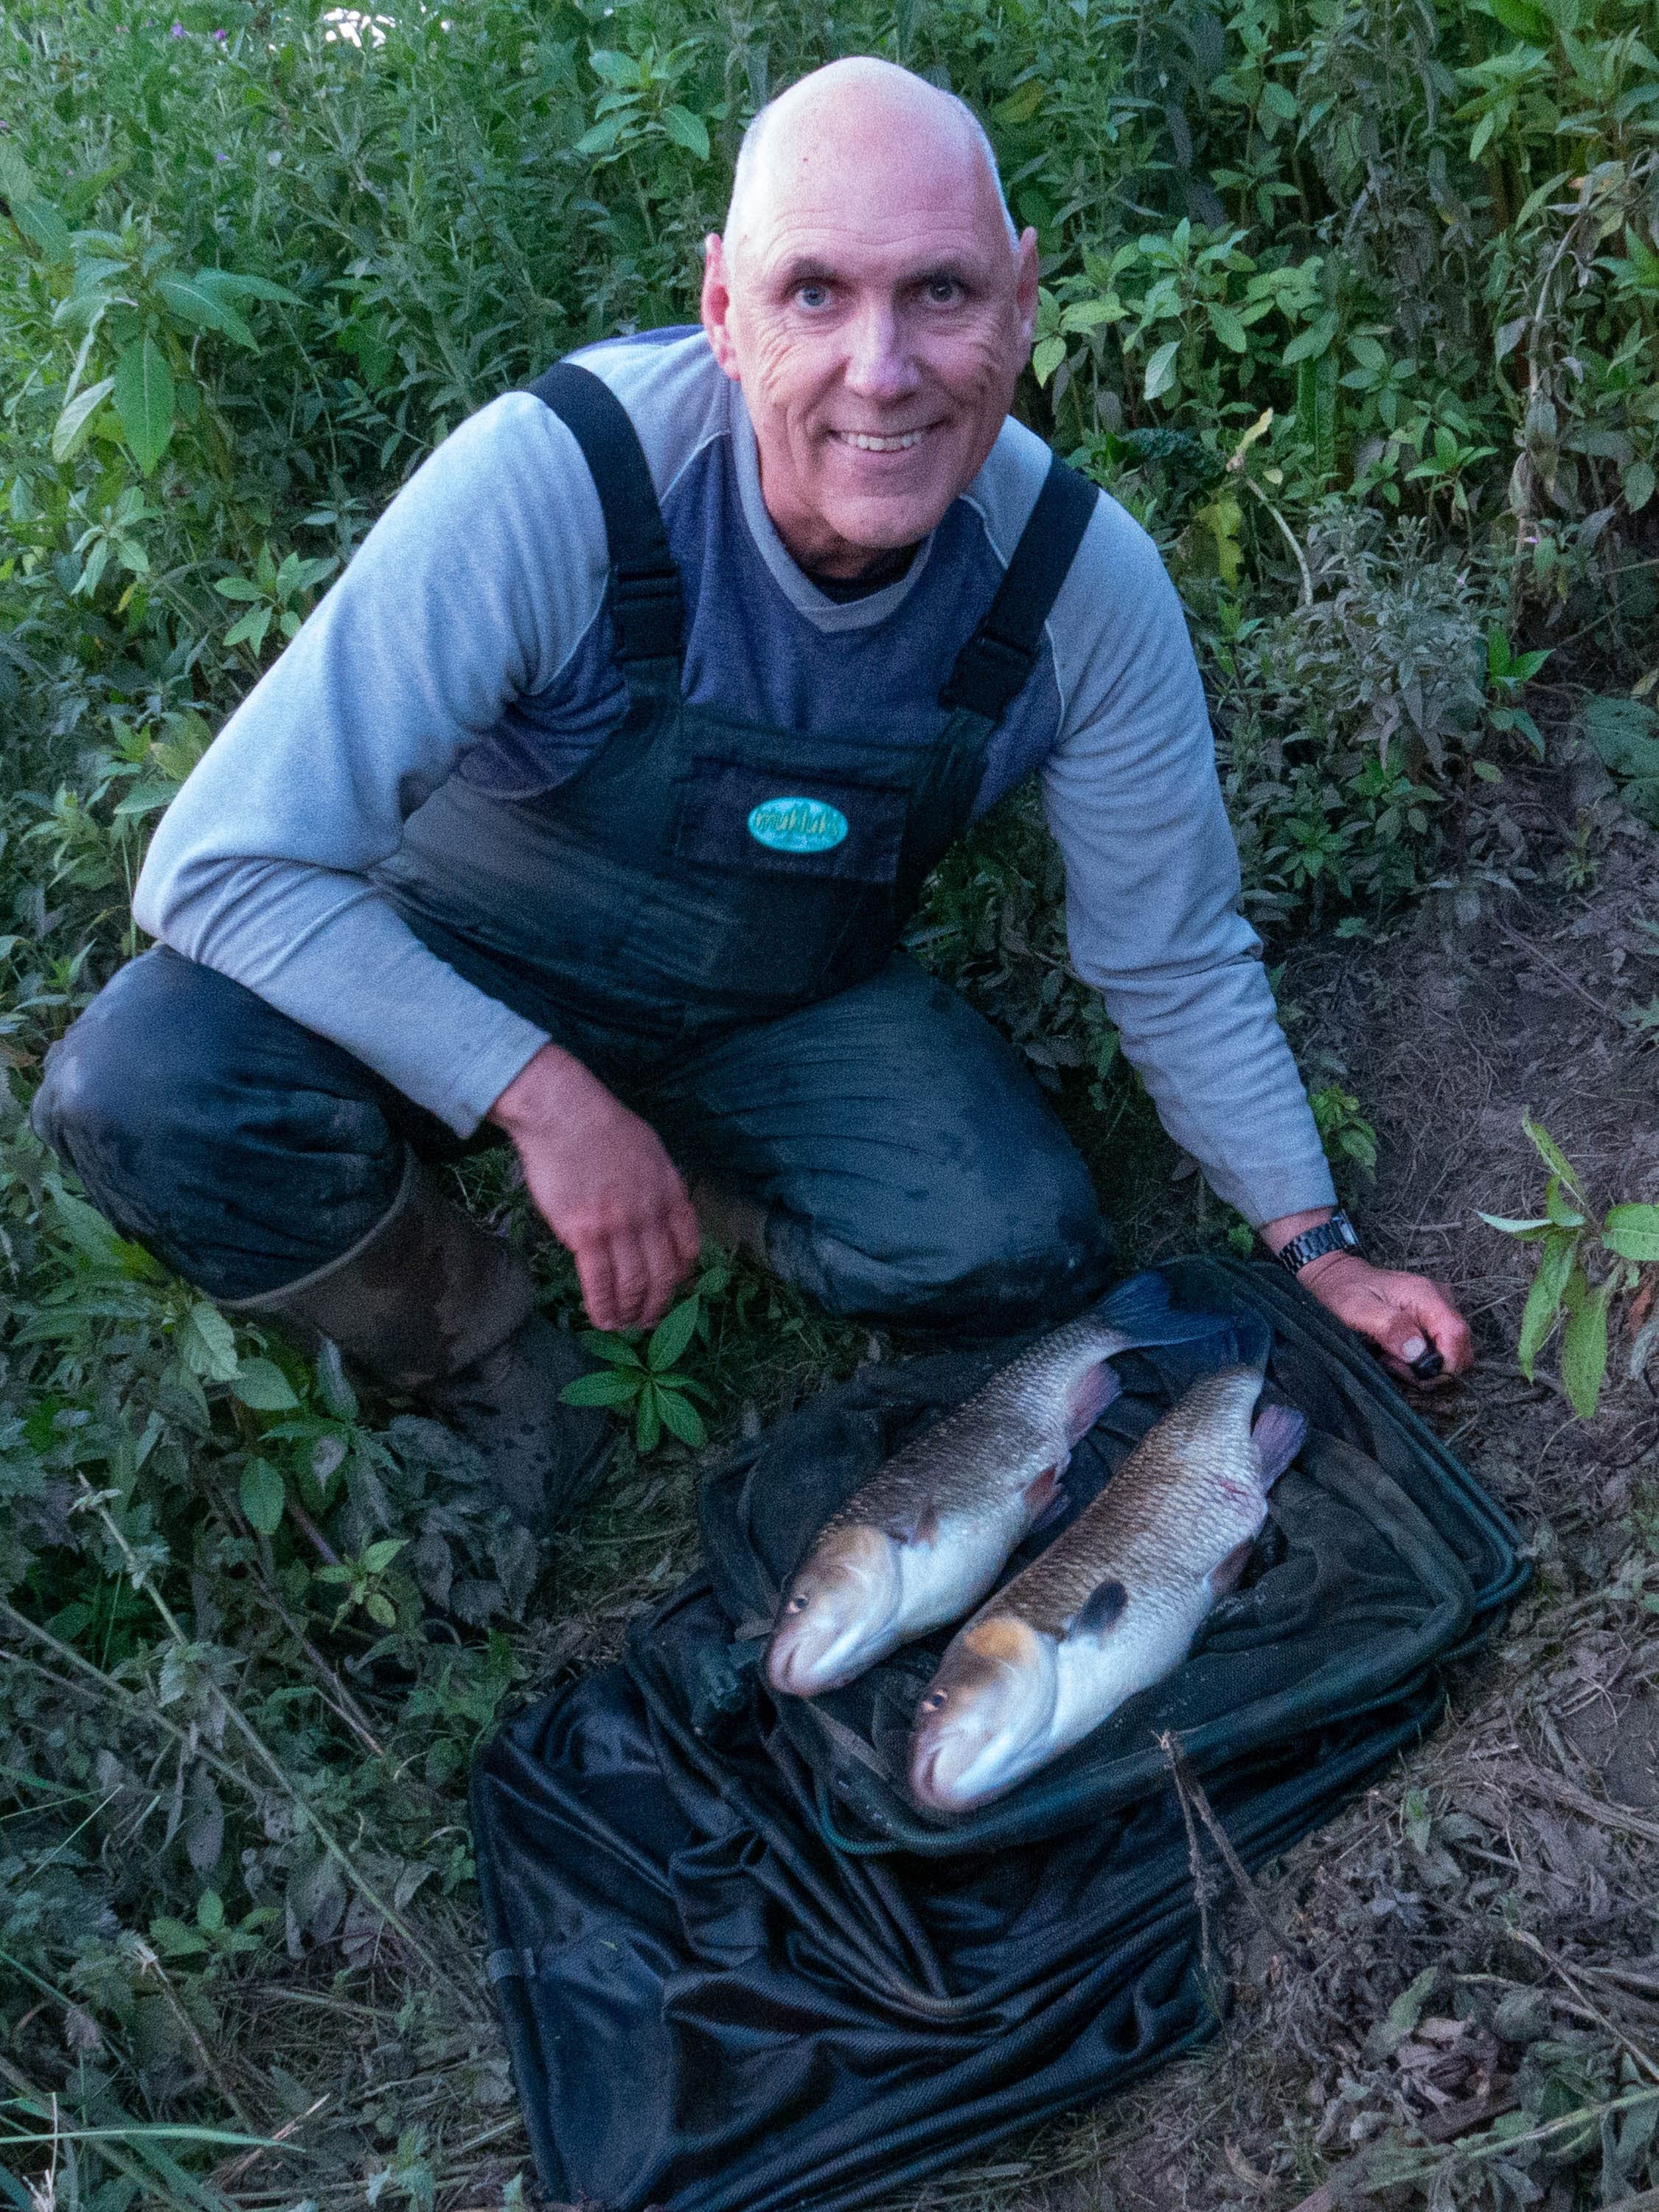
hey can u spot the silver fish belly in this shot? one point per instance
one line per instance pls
(1113, 1605)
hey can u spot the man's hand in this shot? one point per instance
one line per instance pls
(604, 1185)
(1404, 1316)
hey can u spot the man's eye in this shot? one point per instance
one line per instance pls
(944, 291)
(813, 295)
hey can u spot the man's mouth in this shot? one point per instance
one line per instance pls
(867, 441)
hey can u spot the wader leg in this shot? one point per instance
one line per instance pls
(895, 1158)
(267, 1166)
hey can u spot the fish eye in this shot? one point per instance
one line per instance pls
(800, 1602)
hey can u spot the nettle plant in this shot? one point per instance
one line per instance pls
(1583, 1265)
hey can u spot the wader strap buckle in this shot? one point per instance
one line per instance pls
(645, 601)
(993, 665)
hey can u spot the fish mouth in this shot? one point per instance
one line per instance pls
(957, 1784)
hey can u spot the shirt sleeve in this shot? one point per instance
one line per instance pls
(472, 590)
(1152, 909)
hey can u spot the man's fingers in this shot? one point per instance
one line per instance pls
(598, 1279)
(632, 1278)
(664, 1270)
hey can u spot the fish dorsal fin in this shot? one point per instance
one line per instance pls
(1277, 1436)
(919, 1526)
(1101, 1611)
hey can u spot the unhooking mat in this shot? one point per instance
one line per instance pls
(740, 1971)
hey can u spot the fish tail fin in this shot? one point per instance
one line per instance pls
(1278, 1436)
(1139, 1312)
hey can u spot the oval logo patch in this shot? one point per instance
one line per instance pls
(797, 825)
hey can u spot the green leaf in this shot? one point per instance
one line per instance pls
(1524, 20)
(1225, 322)
(1050, 354)
(262, 1497)
(608, 1388)
(42, 225)
(605, 1344)
(71, 429)
(201, 309)
(145, 401)
(380, 1609)
(250, 630)
(602, 138)
(682, 1418)
(1161, 368)
(1279, 100)
(1639, 485)
(235, 286)
(218, 1341)
(1308, 345)
(239, 588)
(261, 1384)
(1633, 1231)
(1584, 1352)
(647, 1427)
(1548, 1151)
(620, 70)
(1544, 1300)
(686, 129)
(1516, 1228)
(380, 1554)
(672, 1334)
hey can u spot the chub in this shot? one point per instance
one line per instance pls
(1114, 1603)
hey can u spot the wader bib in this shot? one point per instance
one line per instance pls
(697, 872)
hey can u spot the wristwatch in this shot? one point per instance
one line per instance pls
(1336, 1235)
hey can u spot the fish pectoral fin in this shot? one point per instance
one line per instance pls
(1278, 1436)
(1223, 1576)
(1101, 1611)
(1088, 1399)
(1044, 1498)
(920, 1527)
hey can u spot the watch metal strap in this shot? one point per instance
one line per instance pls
(1336, 1235)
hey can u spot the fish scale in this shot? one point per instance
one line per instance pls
(1184, 1498)
(924, 1539)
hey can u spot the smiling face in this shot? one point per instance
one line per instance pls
(869, 302)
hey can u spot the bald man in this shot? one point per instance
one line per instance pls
(590, 809)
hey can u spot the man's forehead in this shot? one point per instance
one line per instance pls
(878, 201)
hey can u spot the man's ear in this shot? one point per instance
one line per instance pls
(1025, 286)
(717, 304)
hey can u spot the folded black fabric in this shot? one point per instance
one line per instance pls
(739, 1970)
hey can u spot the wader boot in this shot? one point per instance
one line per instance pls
(431, 1304)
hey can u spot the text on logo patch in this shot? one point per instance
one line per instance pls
(797, 825)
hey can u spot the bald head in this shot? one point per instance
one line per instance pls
(853, 110)
(872, 301)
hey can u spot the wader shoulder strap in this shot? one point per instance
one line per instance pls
(1001, 654)
(644, 584)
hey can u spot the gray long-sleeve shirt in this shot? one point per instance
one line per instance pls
(469, 636)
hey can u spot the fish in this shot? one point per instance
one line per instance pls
(1113, 1604)
(924, 1539)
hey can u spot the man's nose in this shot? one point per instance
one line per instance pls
(879, 364)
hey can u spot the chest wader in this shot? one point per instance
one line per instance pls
(696, 874)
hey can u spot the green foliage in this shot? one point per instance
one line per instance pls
(649, 1384)
(1583, 1265)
